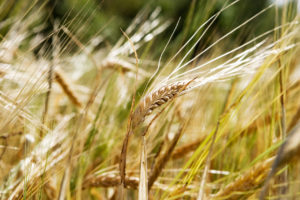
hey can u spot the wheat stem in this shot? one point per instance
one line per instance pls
(163, 158)
(143, 184)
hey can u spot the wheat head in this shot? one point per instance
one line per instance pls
(156, 99)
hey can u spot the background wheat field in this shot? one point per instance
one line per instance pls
(161, 99)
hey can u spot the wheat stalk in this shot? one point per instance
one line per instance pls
(143, 183)
(163, 158)
(287, 152)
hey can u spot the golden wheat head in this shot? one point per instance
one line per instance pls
(156, 99)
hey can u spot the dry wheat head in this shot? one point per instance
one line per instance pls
(155, 99)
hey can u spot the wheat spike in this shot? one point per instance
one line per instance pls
(156, 99)
(144, 108)
(250, 180)
(2, 73)
(59, 77)
(110, 180)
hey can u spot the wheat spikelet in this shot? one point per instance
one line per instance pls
(123, 66)
(50, 190)
(156, 99)
(2, 73)
(250, 180)
(66, 88)
(110, 180)
(163, 158)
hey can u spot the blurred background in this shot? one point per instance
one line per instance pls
(87, 19)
